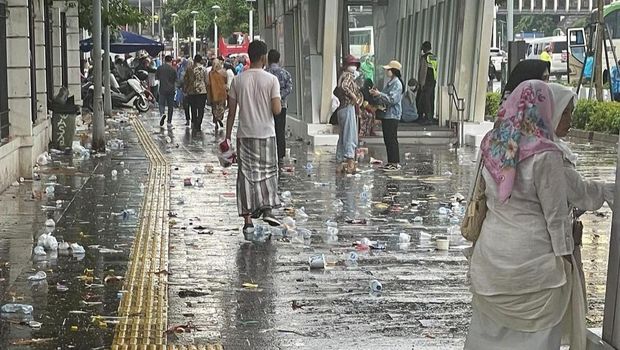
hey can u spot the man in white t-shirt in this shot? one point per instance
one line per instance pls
(257, 94)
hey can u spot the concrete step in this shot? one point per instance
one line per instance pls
(421, 133)
(431, 141)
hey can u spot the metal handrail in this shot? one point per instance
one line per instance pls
(459, 104)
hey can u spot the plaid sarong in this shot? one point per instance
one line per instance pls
(257, 179)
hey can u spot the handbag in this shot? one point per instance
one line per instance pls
(476, 210)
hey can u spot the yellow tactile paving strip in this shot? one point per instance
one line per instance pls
(143, 308)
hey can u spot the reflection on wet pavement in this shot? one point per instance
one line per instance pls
(84, 204)
(264, 295)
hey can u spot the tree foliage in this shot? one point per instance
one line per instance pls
(120, 14)
(540, 23)
(233, 17)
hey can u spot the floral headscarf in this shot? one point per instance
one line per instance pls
(523, 129)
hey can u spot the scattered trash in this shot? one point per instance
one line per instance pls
(375, 161)
(289, 223)
(44, 158)
(187, 182)
(17, 308)
(356, 221)
(39, 276)
(61, 287)
(77, 249)
(352, 257)
(114, 173)
(48, 242)
(404, 238)
(286, 196)
(186, 328)
(15, 184)
(112, 279)
(188, 293)
(317, 261)
(296, 305)
(300, 214)
(35, 324)
(63, 246)
(115, 144)
(126, 172)
(376, 287)
(337, 204)
(249, 285)
(442, 243)
(49, 190)
(38, 250)
(443, 211)
(332, 231)
(418, 220)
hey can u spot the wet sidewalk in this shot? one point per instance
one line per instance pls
(223, 290)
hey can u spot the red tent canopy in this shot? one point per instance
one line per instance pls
(225, 49)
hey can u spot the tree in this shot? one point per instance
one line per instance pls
(120, 14)
(233, 17)
(539, 23)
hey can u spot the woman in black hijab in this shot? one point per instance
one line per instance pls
(526, 70)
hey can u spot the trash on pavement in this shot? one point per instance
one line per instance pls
(39, 276)
(356, 221)
(376, 287)
(63, 246)
(77, 249)
(442, 243)
(50, 223)
(337, 204)
(44, 158)
(17, 308)
(61, 287)
(35, 324)
(114, 173)
(317, 262)
(289, 222)
(352, 257)
(249, 285)
(38, 250)
(187, 293)
(187, 182)
(418, 220)
(286, 196)
(300, 214)
(404, 238)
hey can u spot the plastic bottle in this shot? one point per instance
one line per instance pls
(77, 249)
(38, 250)
(50, 223)
(114, 173)
(39, 276)
(49, 190)
(17, 308)
(376, 287)
(126, 172)
(352, 257)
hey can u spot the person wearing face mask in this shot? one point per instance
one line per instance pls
(391, 96)
(257, 94)
(348, 92)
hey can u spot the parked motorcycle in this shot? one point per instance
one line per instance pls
(124, 95)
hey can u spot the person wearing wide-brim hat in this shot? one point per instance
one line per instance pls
(391, 96)
(348, 92)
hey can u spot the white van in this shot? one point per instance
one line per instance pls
(559, 55)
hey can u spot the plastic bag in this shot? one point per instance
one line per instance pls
(226, 154)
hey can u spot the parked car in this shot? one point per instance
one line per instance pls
(559, 53)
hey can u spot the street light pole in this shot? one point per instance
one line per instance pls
(98, 121)
(107, 92)
(175, 41)
(140, 10)
(216, 42)
(510, 20)
(152, 18)
(194, 38)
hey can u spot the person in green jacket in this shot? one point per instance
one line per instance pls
(368, 68)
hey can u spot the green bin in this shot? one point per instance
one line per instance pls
(63, 126)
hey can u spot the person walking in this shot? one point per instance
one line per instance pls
(350, 96)
(196, 90)
(167, 77)
(257, 95)
(526, 289)
(182, 99)
(218, 93)
(286, 87)
(427, 78)
(391, 97)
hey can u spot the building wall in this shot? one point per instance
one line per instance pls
(30, 129)
(310, 34)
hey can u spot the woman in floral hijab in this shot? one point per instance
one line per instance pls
(521, 268)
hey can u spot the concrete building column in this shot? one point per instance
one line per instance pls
(330, 32)
(471, 75)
